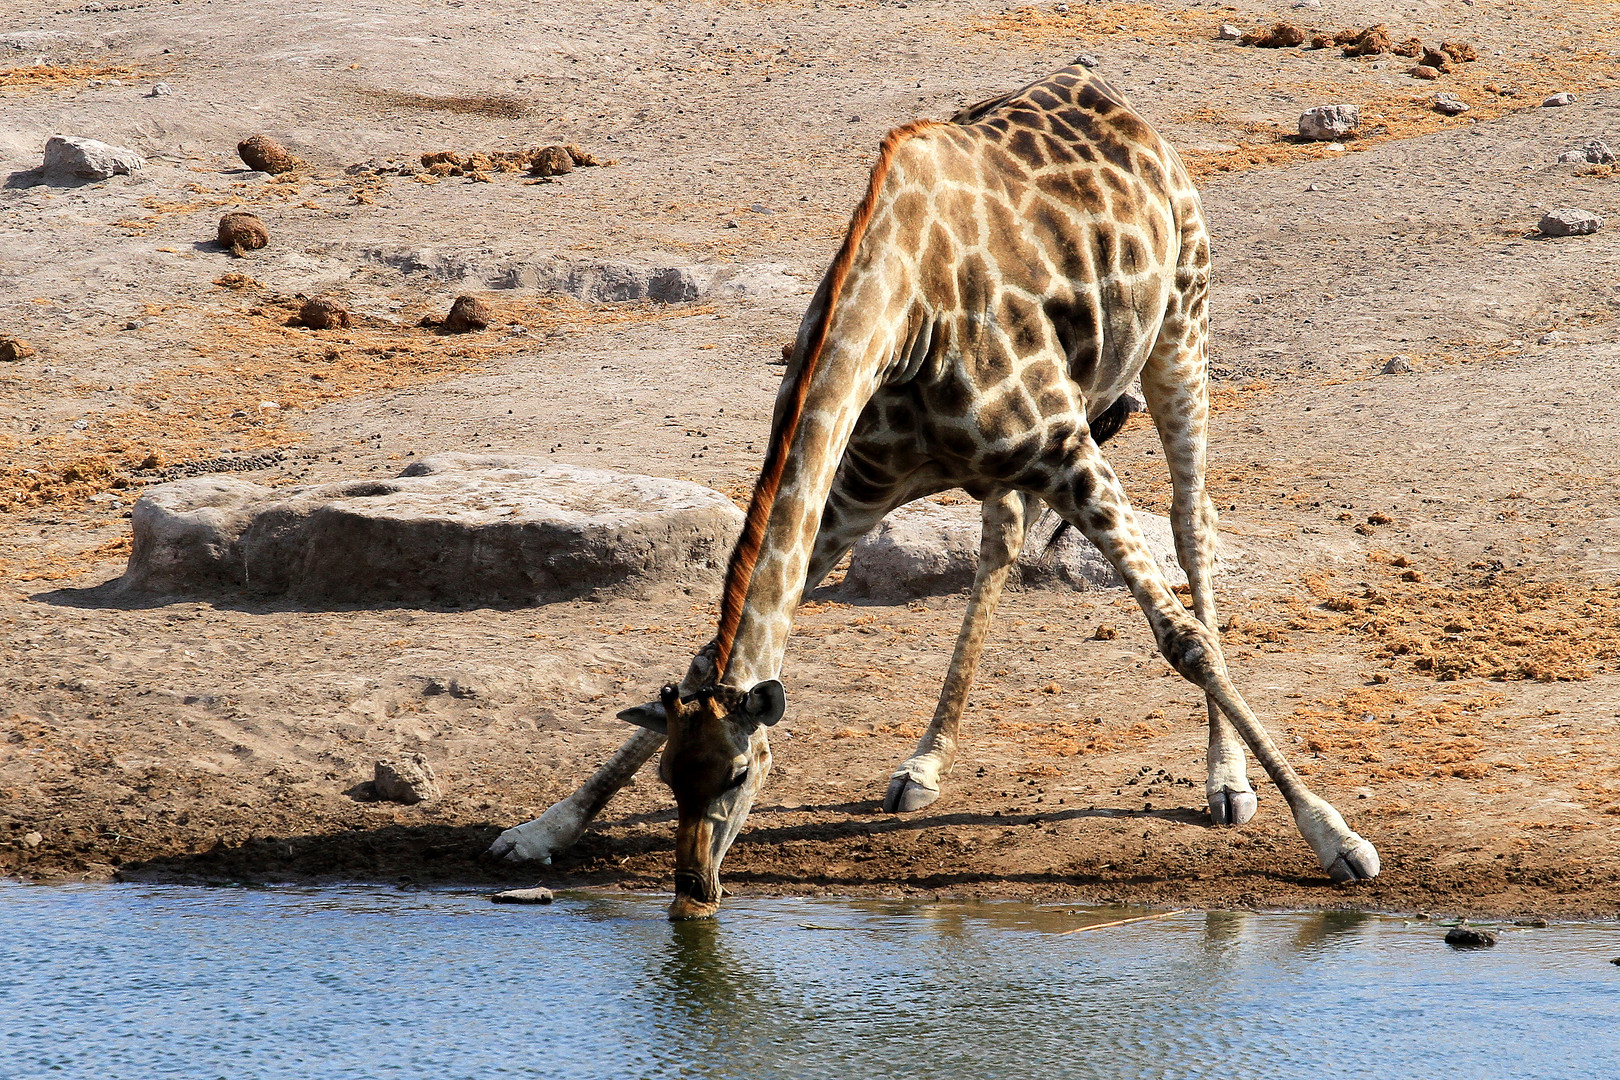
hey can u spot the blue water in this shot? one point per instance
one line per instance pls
(132, 981)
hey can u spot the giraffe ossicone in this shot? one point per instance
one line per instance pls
(1007, 276)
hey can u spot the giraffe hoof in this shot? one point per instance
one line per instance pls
(1358, 862)
(906, 794)
(1228, 807)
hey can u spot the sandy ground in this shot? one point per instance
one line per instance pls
(1427, 605)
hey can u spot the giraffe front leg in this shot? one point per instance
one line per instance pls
(1088, 494)
(559, 827)
(915, 784)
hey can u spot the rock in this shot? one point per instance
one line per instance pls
(408, 780)
(551, 161)
(1450, 104)
(32, 839)
(468, 313)
(1590, 152)
(242, 232)
(927, 548)
(1467, 937)
(266, 155)
(1329, 121)
(321, 313)
(537, 895)
(453, 528)
(1282, 35)
(159, 90)
(1397, 365)
(1552, 337)
(1569, 222)
(14, 349)
(1104, 632)
(1423, 71)
(87, 159)
(1228, 32)
(1536, 923)
(1087, 60)
(1556, 100)
(1307, 5)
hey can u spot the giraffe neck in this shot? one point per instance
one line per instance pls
(815, 413)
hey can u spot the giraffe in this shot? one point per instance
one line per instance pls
(1006, 276)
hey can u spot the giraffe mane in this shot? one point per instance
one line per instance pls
(740, 571)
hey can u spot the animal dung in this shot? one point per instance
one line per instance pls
(551, 161)
(242, 232)
(320, 313)
(1283, 35)
(1372, 41)
(14, 349)
(468, 313)
(264, 154)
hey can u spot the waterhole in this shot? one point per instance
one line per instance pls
(130, 981)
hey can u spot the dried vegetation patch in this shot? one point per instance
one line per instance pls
(54, 77)
(1485, 622)
(254, 368)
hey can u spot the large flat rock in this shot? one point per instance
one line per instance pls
(927, 549)
(454, 528)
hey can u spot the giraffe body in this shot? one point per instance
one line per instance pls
(1006, 278)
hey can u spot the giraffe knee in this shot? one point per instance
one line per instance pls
(1192, 650)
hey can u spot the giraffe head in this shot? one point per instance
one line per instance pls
(715, 762)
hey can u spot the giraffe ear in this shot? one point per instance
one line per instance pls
(650, 716)
(765, 703)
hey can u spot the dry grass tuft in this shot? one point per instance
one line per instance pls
(249, 357)
(500, 106)
(53, 77)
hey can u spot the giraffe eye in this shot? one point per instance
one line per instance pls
(737, 779)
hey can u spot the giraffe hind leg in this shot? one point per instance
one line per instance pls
(1085, 490)
(1175, 383)
(915, 784)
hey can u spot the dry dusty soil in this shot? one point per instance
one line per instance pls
(1425, 610)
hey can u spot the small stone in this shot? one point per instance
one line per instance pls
(242, 231)
(1552, 337)
(1087, 60)
(1450, 104)
(32, 839)
(159, 90)
(1307, 5)
(320, 313)
(551, 161)
(1615, 961)
(1423, 71)
(1537, 923)
(1104, 632)
(1553, 102)
(1329, 121)
(468, 313)
(1569, 222)
(264, 154)
(1466, 937)
(87, 159)
(1590, 152)
(1397, 365)
(537, 895)
(14, 349)
(1228, 32)
(1313, 187)
(1061, 9)
(761, 208)
(408, 780)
